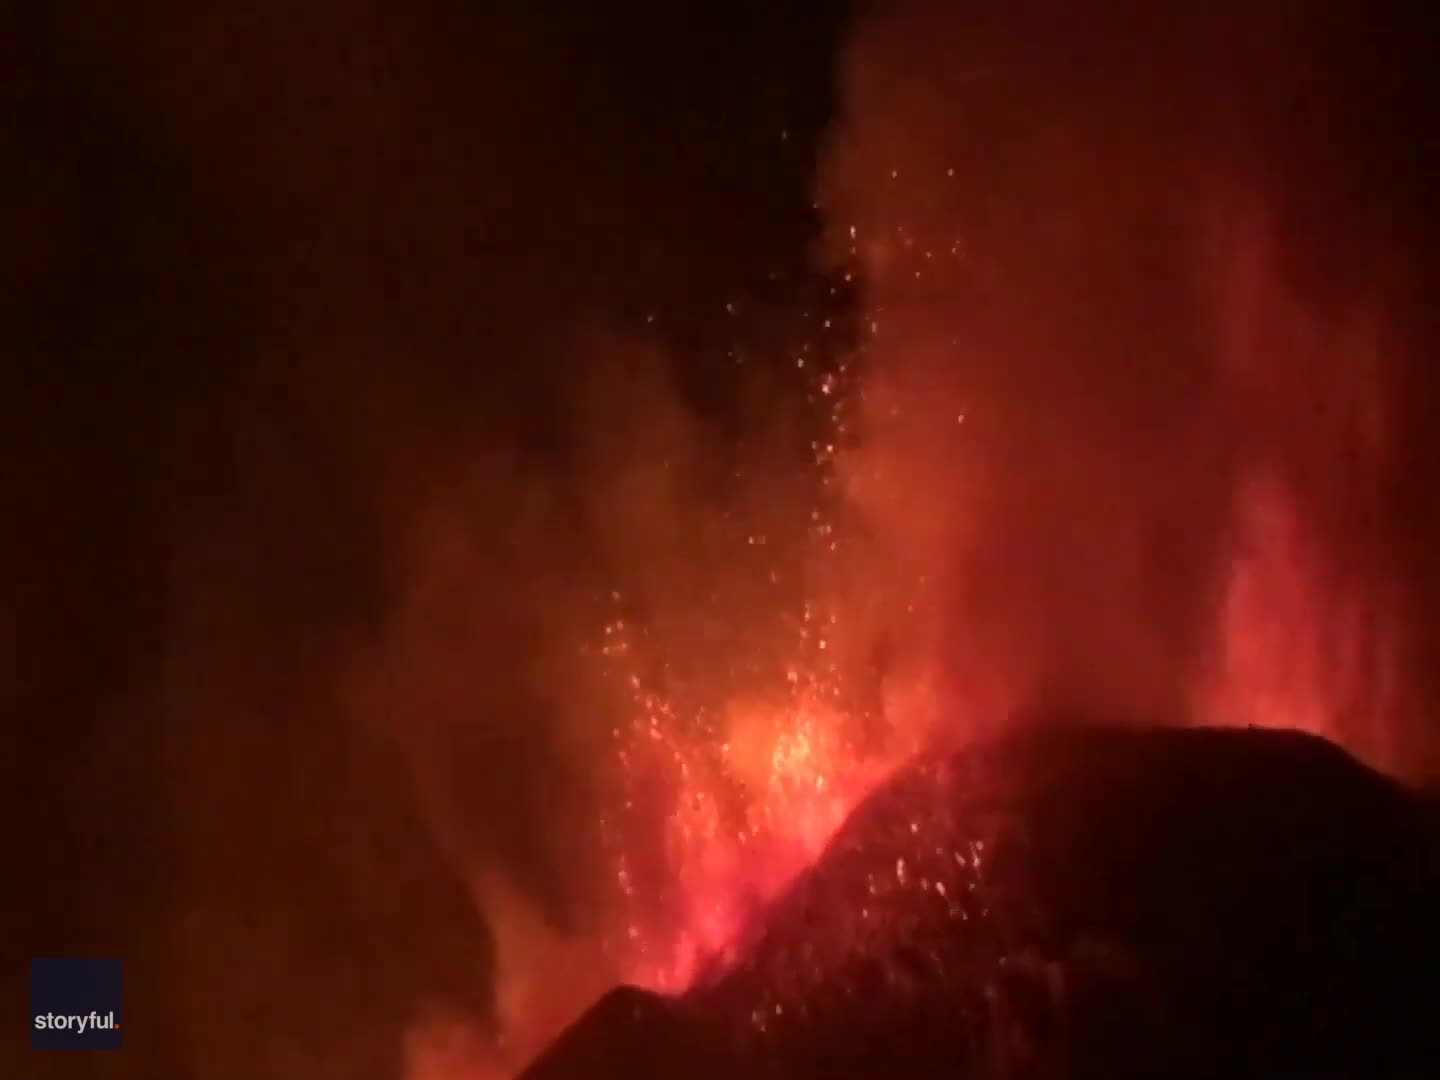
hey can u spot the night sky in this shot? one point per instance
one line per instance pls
(275, 283)
(264, 270)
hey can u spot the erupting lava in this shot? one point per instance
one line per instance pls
(747, 800)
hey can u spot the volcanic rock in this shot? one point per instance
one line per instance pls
(1077, 901)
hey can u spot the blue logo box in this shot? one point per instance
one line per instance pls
(75, 1004)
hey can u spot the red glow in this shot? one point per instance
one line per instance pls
(745, 806)
(1300, 645)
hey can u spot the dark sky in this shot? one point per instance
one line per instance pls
(262, 266)
(267, 275)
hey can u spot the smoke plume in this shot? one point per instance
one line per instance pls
(1128, 416)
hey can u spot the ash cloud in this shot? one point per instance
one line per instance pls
(1127, 276)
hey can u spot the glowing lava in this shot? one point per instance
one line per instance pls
(727, 810)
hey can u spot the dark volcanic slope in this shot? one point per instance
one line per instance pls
(1079, 901)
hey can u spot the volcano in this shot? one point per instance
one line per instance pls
(1078, 899)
